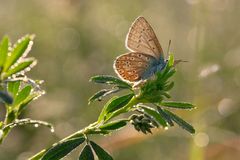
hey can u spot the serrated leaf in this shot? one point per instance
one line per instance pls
(23, 94)
(183, 124)
(18, 51)
(114, 125)
(102, 93)
(20, 67)
(5, 97)
(100, 152)
(86, 153)
(62, 149)
(114, 104)
(178, 105)
(3, 50)
(106, 79)
(153, 113)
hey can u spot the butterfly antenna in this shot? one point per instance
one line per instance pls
(169, 44)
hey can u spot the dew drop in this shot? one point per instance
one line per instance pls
(36, 125)
(166, 128)
(1, 133)
(52, 129)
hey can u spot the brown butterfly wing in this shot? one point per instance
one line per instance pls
(131, 66)
(141, 38)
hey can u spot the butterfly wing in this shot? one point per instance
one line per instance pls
(141, 38)
(133, 66)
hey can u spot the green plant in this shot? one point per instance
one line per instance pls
(16, 89)
(147, 107)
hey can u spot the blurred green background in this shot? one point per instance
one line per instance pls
(78, 39)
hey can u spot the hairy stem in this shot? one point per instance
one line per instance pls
(80, 133)
(91, 128)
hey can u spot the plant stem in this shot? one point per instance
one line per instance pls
(77, 134)
(135, 100)
(7, 120)
(89, 129)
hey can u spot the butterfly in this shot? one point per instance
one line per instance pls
(145, 57)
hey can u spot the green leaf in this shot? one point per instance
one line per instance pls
(102, 93)
(166, 94)
(170, 60)
(178, 105)
(114, 104)
(119, 103)
(25, 102)
(5, 97)
(106, 79)
(100, 152)
(21, 47)
(168, 74)
(114, 125)
(23, 94)
(11, 117)
(20, 67)
(165, 116)
(86, 153)
(180, 122)
(3, 50)
(169, 86)
(102, 132)
(13, 87)
(62, 149)
(153, 113)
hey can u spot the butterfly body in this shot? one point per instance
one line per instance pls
(146, 56)
(155, 66)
